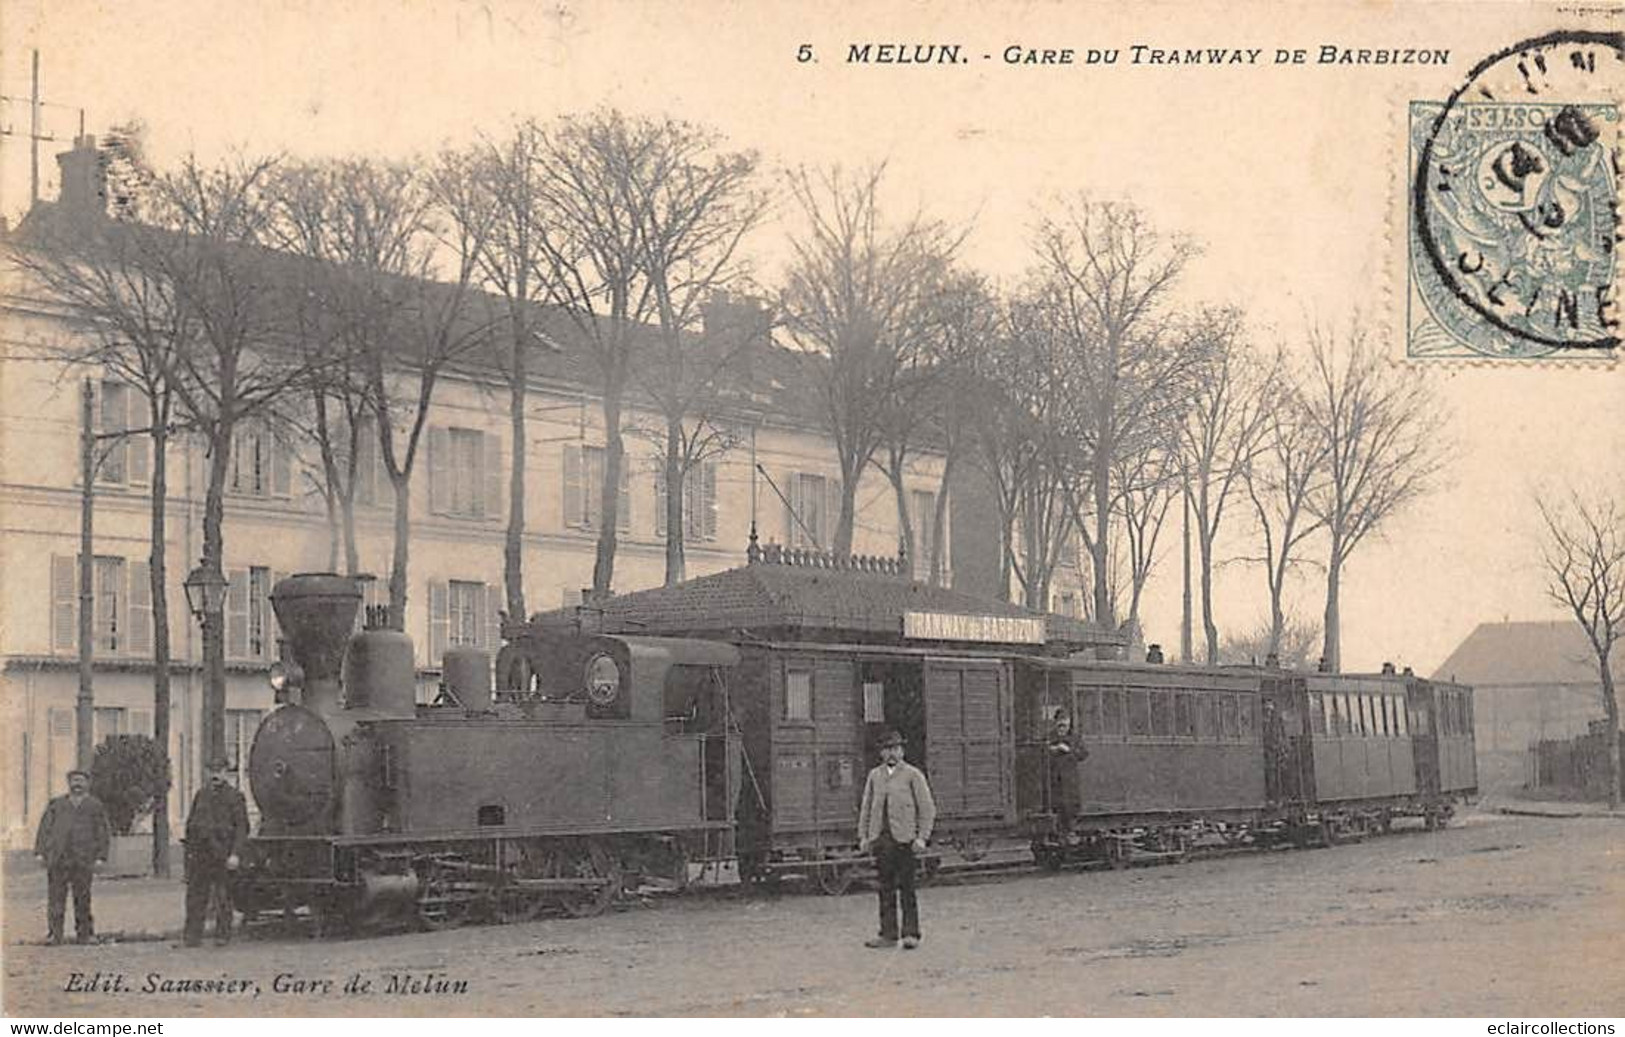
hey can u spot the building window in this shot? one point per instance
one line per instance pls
(465, 473)
(923, 510)
(807, 519)
(123, 605)
(250, 620)
(370, 484)
(874, 702)
(259, 463)
(798, 695)
(584, 489)
(110, 604)
(122, 460)
(240, 727)
(699, 502)
(107, 723)
(463, 614)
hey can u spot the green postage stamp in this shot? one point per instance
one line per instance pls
(1513, 208)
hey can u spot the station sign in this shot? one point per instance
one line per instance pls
(959, 626)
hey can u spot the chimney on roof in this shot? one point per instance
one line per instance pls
(1153, 653)
(83, 191)
(1388, 669)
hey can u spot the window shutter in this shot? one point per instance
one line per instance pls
(140, 457)
(439, 485)
(64, 603)
(111, 417)
(281, 466)
(660, 500)
(495, 476)
(239, 442)
(793, 535)
(493, 611)
(623, 495)
(572, 495)
(139, 598)
(708, 512)
(438, 624)
(273, 629)
(237, 613)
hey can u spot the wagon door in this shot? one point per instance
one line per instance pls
(969, 739)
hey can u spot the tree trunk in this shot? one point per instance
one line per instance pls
(1100, 556)
(676, 562)
(603, 568)
(1333, 649)
(905, 522)
(156, 563)
(1610, 706)
(214, 619)
(1210, 630)
(939, 522)
(513, 545)
(1185, 639)
(402, 486)
(841, 547)
(352, 553)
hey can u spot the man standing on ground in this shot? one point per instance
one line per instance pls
(216, 831)
(895, 823)
(72, 842)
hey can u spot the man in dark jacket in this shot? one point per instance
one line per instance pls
(72, 842)
(216, 831)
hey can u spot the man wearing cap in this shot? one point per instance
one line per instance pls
(72, 842)
(216, 830)
(895, 823)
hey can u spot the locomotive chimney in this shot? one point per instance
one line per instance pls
(317, 612)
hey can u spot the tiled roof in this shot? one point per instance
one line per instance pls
(1521, 654)
(808, 599)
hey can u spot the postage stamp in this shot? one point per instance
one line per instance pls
(1513, 206)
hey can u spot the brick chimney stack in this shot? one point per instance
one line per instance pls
(83, 193)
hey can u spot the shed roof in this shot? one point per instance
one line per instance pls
(1524, 654)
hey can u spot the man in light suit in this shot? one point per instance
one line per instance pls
(895, 823)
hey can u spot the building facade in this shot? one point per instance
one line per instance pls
(781, 475)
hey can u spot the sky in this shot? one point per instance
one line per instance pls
(1290, 176)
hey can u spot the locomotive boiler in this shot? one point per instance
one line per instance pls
(616, 767)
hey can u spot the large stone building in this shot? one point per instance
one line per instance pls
(782, 476)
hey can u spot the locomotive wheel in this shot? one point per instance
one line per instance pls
(591, 861)
(442, 904)
(519, 905)
(835, 879)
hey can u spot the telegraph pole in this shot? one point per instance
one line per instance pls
(86, 703)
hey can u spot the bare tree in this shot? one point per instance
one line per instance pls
(1148, 483)
(1221, 433)
(1108, 273)
(691, 204)
(1292, 646)
(381, 236)
(1584, 557)
(1382, 431)
(132, 323)
(860, 298)
(1285, 472)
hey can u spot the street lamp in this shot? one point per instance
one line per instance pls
(205, 590)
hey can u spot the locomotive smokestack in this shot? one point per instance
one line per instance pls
(317, 612)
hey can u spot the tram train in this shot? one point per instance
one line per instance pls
(613, 759)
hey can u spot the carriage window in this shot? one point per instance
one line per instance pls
(1139, 713)
(1381, 702)
(1112, 711)
(1336, 718)
(1444, 714)
(1351, 715)
(874, 702)
(1162, 708)
(1423, 724)
(1366, 726)
(1400, 727)
(1227, 715)
(1208, 724)
(1184, 715)
(1089, 699)
(1317, 714)
(798, 695)
(1247, 704)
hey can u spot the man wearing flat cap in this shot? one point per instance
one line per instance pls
(216, 832)
(72, 842)
(895, 823)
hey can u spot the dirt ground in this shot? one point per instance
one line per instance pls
(1496, 916)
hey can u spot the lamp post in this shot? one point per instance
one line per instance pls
(206, 598)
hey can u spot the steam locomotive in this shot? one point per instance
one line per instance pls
(617, 758)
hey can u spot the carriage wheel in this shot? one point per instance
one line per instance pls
(1330, 835)
(1048, 857)
(591, 861)
(835, 879)
(443, 903)
(1117, 853)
